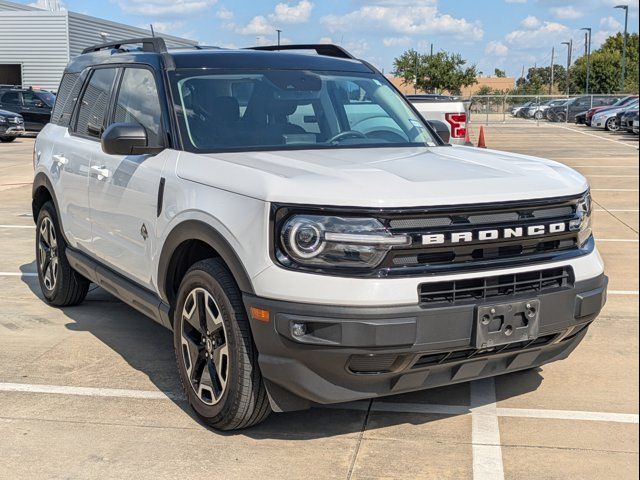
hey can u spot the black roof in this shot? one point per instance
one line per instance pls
(154, 53)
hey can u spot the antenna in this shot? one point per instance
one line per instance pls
(153, 34)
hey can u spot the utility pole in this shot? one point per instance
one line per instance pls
(279, 32)
(553, 55)
(415, 84)
(624, 44)
(569, 45)
(587, 48)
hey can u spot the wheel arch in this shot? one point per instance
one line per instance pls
(189, 242)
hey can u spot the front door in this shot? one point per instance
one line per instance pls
(123, 190)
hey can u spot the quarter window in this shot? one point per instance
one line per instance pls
(138, 102)
(67, 98)
(94, 103)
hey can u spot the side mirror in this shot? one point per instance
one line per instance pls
(125, 139)
(441, 129)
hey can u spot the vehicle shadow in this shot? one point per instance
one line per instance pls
(148, 348)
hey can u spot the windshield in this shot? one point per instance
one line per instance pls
(287, 109)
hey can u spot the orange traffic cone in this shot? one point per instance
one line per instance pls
(467, 139)
(481, 143)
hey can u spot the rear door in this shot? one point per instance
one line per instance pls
(72, 151)
(123, 189)
(38, 111)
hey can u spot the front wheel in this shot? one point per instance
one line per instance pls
(538, 115)
(561, 117)
(612, 125)
(217, 360)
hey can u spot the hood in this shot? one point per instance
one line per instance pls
(383, 177)
(7, 113)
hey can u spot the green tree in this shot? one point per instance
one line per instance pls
(606, 67)
(538, 79)
(499, 73)
(484, 90)
(434, 73)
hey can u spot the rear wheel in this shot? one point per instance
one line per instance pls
(60, 284)
(612, 124)
(561, 117)
(217, 360)
(7, 139)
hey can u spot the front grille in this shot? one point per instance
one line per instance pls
(14, 120)
(478, 289)
(467, 354)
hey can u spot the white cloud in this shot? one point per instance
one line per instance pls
(530, 22)
(164, 7)
(326, 40)
(396, 41)
(258, 25)
(285, 13)
(43, 4)
(566, 13)
(224, 14)
(405, 18)
(546, 34)
(165, 27)
(357, 48)
(611, 24)
(497, 49)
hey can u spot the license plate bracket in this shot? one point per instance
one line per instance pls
(505, 323)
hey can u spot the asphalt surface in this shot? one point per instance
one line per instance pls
(92, 391)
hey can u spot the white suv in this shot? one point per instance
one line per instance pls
(305, 234)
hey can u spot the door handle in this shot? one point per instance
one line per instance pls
(102, 172)
(60, 160)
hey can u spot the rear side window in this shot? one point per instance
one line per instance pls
(95, 103)
(11, 98)
(138, 102)
(67, 96)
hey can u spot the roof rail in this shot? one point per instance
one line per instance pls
(325, 49)
(149, 44)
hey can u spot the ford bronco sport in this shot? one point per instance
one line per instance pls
(306, 236)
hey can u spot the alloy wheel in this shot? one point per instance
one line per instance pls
(204, 346)
(48, 253)
(612, 125)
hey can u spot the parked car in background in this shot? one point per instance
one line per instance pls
(32, 104)
(578, 105)
(519, 110)
(608, 119)
(538, 110)
(550, 113)
(580, 118)
(444, 108)
(626, 119)
(636, 124)
(620, 103)
(11, 126)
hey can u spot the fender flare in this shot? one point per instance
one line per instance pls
(42, 180)
(198, 230)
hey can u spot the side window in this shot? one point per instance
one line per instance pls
(95, 102)
(11, 98)
(67, 96)
(138, 102)
(30, 99)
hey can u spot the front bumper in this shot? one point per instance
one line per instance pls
(11, 130)
(352, 353)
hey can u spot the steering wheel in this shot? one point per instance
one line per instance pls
(346, 134)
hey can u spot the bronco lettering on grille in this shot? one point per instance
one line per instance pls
(493, 234)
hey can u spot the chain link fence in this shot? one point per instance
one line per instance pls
(488, 109)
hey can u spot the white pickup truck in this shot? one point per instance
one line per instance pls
(447, 109)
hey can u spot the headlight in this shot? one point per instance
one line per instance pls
(582, 224)
(332, 241)
(3, 119)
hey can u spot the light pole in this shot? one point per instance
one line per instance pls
(279, 32)
(569, 45)
(624, 43)
(588, 30)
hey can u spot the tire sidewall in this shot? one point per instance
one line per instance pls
(611, 125)
(201, 279)
(48, 212)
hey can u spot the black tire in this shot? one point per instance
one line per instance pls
(7, 139)
(538, 115)
(561, 117)
(60, 284)
(231, 395)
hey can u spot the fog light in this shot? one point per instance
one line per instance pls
(298, 329)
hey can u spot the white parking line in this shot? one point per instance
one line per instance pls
(17, 274)
(86, 391)
(485, 432)
(622, 292)
(597, 136)
(568, 415)
(17, 226)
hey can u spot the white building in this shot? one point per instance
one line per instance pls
(36, 44)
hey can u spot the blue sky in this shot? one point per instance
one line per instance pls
(489, 33)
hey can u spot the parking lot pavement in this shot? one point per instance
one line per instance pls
(91, 391)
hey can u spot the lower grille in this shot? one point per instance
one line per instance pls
(478, 289)
(373, 363)
(460, 355)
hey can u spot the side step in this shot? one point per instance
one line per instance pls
(140, 298)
